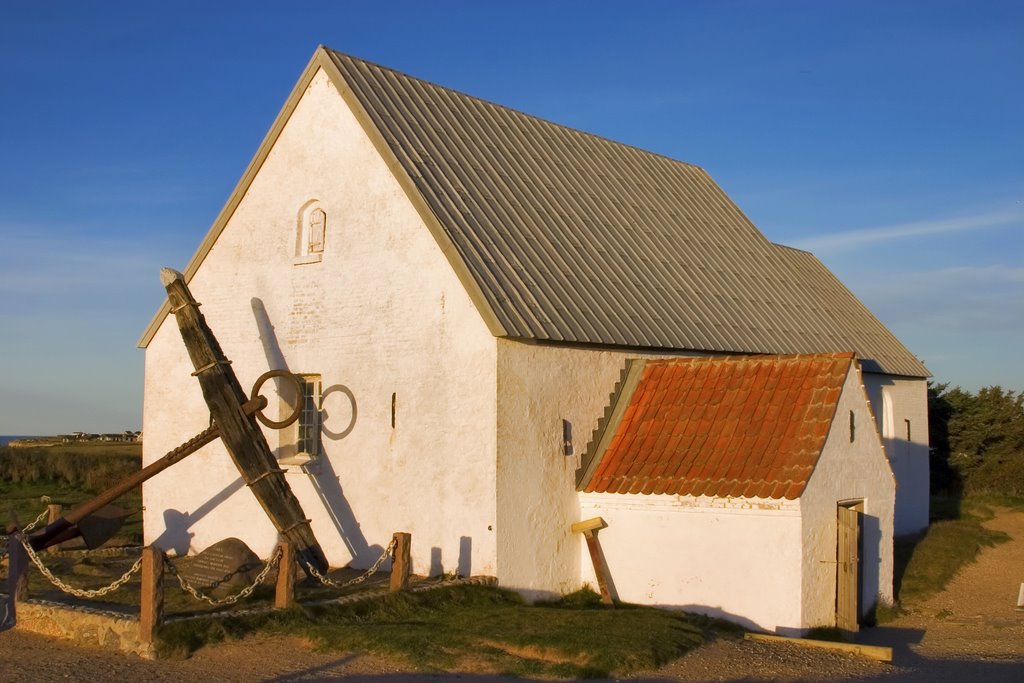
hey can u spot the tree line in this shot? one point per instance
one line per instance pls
(977, 440)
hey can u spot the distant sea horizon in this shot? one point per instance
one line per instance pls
(4, 440)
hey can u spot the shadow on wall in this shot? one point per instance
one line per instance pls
(870, 564)
(464, 564)
(176, 535)
(323, 477)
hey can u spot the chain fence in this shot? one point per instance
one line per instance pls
(196, 593)
(28, 527)
(72, 590)
(331, 583)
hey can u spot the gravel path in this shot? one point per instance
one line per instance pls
(969, 632)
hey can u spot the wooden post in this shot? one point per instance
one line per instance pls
(53, 514)
(151, 603)
(284, 596)
(599, 569)
(589, 529)
(17, 570)
(242, 437)
(401, 563)
(17, 566)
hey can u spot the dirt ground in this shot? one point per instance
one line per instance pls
(971, 631)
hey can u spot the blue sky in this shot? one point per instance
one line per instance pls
(886, 137)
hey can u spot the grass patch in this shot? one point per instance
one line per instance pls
(475, 628)
(86, 466)
(954, 539)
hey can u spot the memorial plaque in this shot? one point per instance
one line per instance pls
(222, 569)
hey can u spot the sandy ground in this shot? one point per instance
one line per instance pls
(969, 632)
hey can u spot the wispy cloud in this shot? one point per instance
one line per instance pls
(980, 299)
(887, 233)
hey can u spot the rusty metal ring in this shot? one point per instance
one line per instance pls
(270, 374)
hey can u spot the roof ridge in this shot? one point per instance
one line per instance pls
(755, 357)
(520, 112)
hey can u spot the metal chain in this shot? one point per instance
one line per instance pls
(71, 590)
(232, 599)
(28, 527)
(359, 579)
(40, 518)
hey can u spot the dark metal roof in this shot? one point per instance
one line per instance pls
(575, 238)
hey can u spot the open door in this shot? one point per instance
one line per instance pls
(847, 568)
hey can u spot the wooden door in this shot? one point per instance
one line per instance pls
(848, 524)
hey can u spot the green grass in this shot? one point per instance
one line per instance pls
(473, 627)
(925, 566)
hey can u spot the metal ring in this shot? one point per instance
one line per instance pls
(270, 374)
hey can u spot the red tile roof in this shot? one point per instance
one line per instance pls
(746, 426)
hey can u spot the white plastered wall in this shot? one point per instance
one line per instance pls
(907, 400)
(383, 313)
(737, 559)
(539, 385)
(848, 472)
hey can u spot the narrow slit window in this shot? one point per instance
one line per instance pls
(907, 422)
(853, 427)
(394, 400)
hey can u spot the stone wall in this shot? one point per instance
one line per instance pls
(86, 626)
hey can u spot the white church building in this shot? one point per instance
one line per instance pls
(505, 326)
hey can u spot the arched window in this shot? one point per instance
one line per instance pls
(317, 229)
(311, 233)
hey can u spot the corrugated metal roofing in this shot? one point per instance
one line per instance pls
(575, 238)
(850, 321)
(749, 426)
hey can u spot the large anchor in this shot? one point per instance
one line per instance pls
(233, 420)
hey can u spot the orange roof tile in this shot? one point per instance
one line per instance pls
(735, 426)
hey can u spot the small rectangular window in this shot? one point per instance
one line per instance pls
(308, 437)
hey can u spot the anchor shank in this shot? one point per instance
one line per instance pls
(242, 437)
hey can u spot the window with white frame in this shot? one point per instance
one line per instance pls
(307, 438)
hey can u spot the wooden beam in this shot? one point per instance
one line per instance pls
(151, 598)
(589, 529)
(597, 558)
(877, 652)
(401, 563)
(240, 433)
(592, 524)
(284, 593)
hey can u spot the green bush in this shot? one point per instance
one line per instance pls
(977, 441)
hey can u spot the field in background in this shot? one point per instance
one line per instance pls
(68, 474)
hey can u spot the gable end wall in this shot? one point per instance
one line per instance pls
(847, 472)
(909, 458)
(382, 314)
